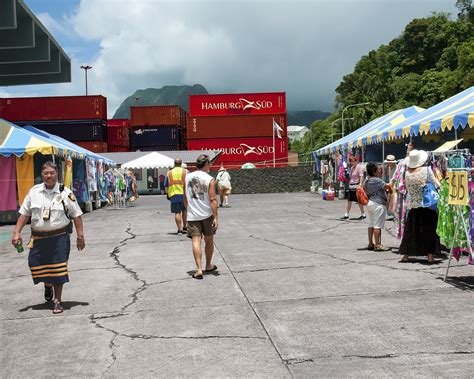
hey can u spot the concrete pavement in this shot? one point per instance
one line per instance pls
(295, 296)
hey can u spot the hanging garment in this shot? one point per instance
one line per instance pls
(471, 191)
(68, 173)
(25, 172)
(80, 180)
(91, 175)
(449, 220)
(8, 184)
(398, 182)
(456, 161)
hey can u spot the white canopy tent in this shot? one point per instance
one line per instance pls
(152, 160)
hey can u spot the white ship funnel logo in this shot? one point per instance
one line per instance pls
(250, 104)
(138, 131)
(249, 149)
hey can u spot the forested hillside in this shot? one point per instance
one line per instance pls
(430, 61)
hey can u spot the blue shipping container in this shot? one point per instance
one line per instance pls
(74, 131)
(155, 136)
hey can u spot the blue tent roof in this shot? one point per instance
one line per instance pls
(18, 141)
(455, 112)
(71, 145)
(363, 135)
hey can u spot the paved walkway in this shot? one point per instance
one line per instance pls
(293, 297)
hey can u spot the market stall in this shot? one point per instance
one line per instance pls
(22, 153)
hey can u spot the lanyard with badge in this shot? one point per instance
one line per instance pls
(46, 212)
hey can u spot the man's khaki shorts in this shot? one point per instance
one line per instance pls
(201, 227)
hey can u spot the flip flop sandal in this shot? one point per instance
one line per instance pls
(371, 247)
(214, 268)
(196, 276)
(58, 308)
(48, 293)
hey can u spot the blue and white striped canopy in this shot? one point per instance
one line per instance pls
(71, 145)
(18, 141)
(455, 112)
(366, 134)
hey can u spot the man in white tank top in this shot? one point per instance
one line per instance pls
(201, 204)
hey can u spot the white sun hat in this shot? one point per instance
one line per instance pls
(417, 158)
(390, 159)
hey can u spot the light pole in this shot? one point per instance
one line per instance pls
(332, 125)
(85, 68)
(350, 106)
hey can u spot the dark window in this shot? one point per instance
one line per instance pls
(138, 174)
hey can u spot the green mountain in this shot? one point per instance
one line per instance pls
(306, 118)
(178, 95)
(167, 95)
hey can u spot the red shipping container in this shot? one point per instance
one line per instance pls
(53, 108)
(118, 136)
(94, 146)
(244, 149)
(118, 149)
(157, 115)
(118, 122)
(237, 104)
(234, 126)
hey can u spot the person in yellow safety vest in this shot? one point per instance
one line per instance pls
(174, 187)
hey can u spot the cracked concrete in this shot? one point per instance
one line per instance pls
(295, 295)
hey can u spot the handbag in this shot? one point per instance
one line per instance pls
(430, 194)
(362, 197)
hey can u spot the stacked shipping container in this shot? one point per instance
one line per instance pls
(241, 126)
(118, 135)
(157, 128)
(79, 119)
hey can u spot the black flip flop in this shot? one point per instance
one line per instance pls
(48, 293)
(214, 268)
(195, 276)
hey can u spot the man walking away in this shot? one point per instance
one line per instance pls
(174, 187)
(201, 203)
(223, 183)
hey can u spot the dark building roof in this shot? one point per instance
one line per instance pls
(28, 52)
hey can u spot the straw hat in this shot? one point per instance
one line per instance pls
(390, 159)
(417, 158)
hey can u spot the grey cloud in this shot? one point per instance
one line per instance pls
(301, 47)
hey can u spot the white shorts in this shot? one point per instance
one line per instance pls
(376, 214)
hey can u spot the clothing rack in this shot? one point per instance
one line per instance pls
(465, 228)
(451, 152)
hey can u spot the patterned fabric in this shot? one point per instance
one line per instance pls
(449, 220)
(398, 182)
(415, 182)
(48, 259)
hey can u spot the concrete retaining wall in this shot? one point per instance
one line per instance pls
(269, 180)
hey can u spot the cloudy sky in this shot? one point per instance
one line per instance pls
(301, 47)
